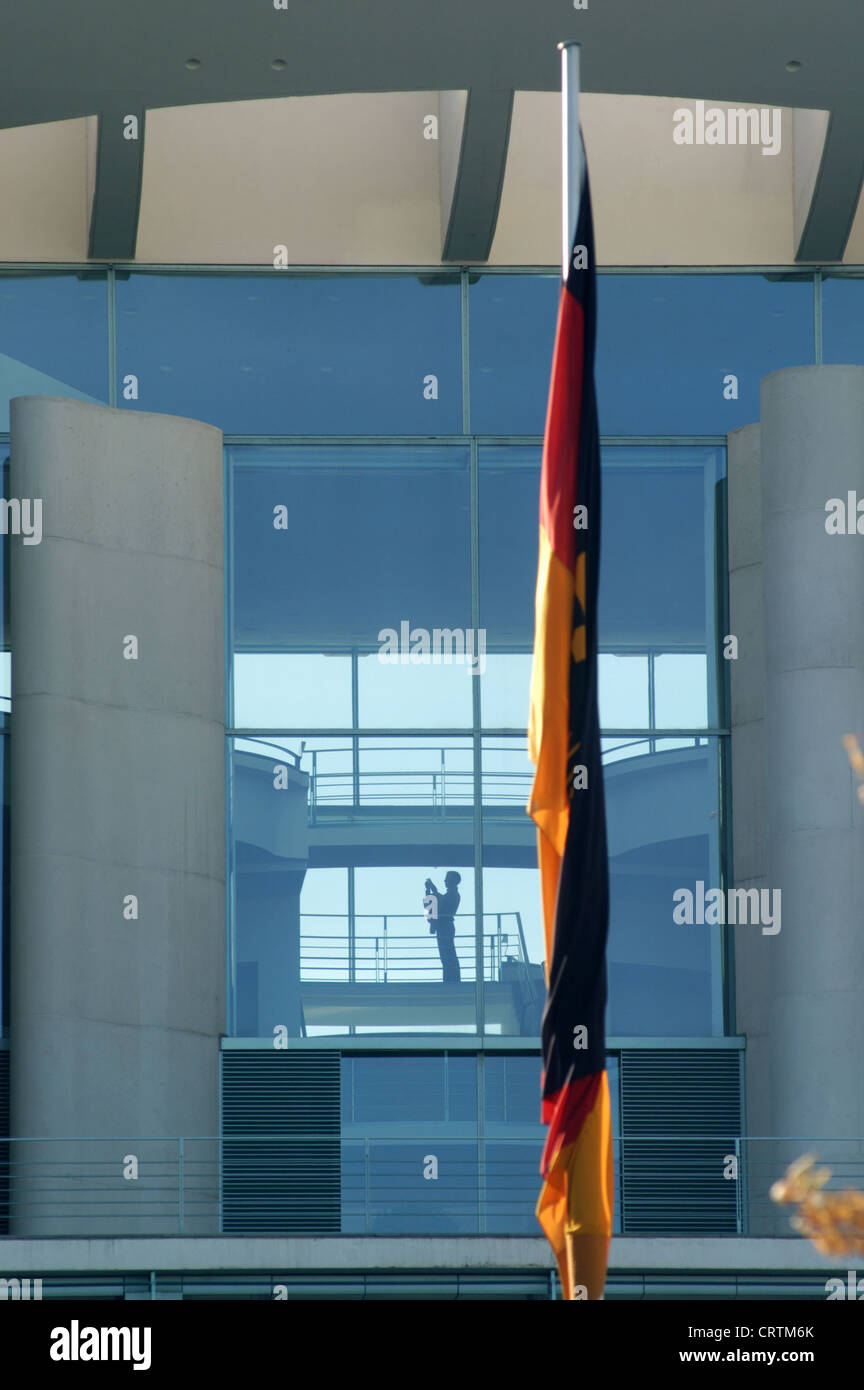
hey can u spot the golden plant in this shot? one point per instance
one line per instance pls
(856, 760)
(832, 1221)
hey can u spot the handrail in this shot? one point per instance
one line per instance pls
(204, 1184)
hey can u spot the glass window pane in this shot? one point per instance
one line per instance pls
(680, 690)
(421, 779)
(663, 830)
(512, 333)
(384, 1191)
(651, 329)
(295, 354)
(622, 691)
(332, 849)
(505, 690)
(512, 1091)
(657, 546)
(413, 697)
(288, 692)
(843, 318)
(331, 547)
(53, 337)
(4, 877)
(684, 354)
(513, 943)
(5, 687)
(665, 980)
(402, 1091)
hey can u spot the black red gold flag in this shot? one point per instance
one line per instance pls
(567, 803)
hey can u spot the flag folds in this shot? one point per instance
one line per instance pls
(566, 804)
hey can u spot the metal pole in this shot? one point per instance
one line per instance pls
(571, 151)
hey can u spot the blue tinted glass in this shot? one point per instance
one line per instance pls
(333, 843)
(512, 333)
(512, 1186)
(53, 337)
(287, 690)
(385, 1192)
(662, 801)
(512, 1090)
(513, 942)
(4, 892)
(667, 344)
(286, 354)
(369, 538)
(662, 805)
(513, 949)
(400, 1091)
(657, 549)
(5, 675)
(843, 319)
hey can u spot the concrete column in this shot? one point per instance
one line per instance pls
(117, 792)
(806, 1013)
(753, 951)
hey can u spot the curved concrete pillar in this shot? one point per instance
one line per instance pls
(812, 449)
(117, 792)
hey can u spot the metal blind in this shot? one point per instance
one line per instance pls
(289, 1178)
(680, 1119)
(4, 1148)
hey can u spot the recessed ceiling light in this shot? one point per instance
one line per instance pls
(193, 63)
(278, 64)
(793, 65)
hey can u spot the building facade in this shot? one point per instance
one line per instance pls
(267, 673)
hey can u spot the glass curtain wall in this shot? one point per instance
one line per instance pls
(382, 434)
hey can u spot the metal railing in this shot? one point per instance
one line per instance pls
(375, 948)
(389, 1182)
(439, 780)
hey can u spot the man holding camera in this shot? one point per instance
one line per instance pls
(441, 911)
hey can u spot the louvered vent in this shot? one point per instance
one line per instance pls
(4, 1148)
(680, 1118)
(281, 1167)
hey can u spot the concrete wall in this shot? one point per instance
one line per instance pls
(797, 595)
(350, 178)
(117, 788)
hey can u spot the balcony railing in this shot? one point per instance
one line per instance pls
(388, 1182)
(378, 948)
(439, 781)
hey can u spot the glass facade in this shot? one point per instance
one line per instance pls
(443, 1143)
(383, 435)
(391, 768)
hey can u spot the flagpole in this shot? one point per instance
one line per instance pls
(571, 150)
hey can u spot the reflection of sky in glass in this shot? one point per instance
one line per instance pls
(680, 690)
(294, 354)
(431, 696)
(516, 890)
(275, 690)
(314, 691)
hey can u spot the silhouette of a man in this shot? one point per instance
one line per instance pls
(443, 925)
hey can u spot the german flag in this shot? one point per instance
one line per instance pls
(567, 803)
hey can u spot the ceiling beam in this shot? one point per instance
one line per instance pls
(117, 191)
(479, 128)
(835, 192)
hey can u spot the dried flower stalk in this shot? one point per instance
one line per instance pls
(833, 1221)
